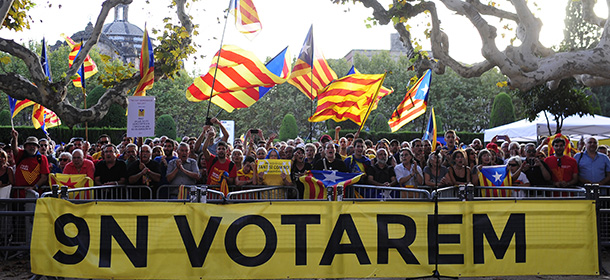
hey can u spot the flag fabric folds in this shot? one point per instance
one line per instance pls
(241, 80)
(88, 67)
(430, 133)
(44, 118)
(311, 69)
(495, 176)
(224, 184)
(316, 182)
(348, 98)
(17, 105)
(147, 66)
(383, 91)
(73, 181)
(568, 147)
(413, 105)
(246, 18)
(44, 61)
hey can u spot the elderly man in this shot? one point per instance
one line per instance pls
(183, 170)
(32, 168)
(380, 173)
(593, 166)
(110, 171)
(144, 171)
(80, 165)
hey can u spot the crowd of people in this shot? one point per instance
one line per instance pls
(209, 159)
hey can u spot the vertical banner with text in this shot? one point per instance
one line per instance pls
(141, 116)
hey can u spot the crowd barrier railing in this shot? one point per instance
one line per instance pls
(109, 192)
(380, 193)
(258, 193)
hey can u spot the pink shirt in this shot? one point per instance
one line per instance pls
(88, 168)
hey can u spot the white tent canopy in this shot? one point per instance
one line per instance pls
(573, 126)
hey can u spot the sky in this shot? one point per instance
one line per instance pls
(337, 28)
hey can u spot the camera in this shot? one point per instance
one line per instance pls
(253, 131)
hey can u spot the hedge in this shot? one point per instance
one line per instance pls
(62, 133)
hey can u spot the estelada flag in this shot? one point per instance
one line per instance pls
(89, 68)
(241, 78)
(73, 181)
(568, 144)
(413, 105)
(316, 182)
(495, 175)
(246, 18)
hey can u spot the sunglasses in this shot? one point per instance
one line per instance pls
(103, 142)
(63, 159)
(513, 164)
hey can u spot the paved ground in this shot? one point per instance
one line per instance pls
(20, 269)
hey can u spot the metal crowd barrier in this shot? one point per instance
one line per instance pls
(95, 193)
(190, 193)
(514, 192)
(258, 193)
(381, 193)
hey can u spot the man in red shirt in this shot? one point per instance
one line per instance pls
(219, 163)
(564, 169)
(32, 168)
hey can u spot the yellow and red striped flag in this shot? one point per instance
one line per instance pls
(383, 91)
(17, 105)
(44, 118)
(147, 66)
(246, 18)
(89, 64)
(311, 69)
(241, 78)
(348, 98)
(316, 181)
(413, 105)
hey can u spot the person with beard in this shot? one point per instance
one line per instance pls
(183, 170)
(145, 171)
(380, 173)
(32, 168)
(219, 163)
(564, 169)
(163, 160)
(110, 171)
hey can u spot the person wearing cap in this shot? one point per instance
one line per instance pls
(32, 168)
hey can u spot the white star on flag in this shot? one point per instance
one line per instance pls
(497, 176)
(332, 177)
(424, 89)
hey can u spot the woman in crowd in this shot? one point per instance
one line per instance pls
(435, 174)
(63, 160)
(408, 173)
(237, 157)
(459, 172)
(7, 175)
(471, 158)
(261, 153)
(245, 175)
(157, 151)
(203, 169)
(485, 158)
(273, 154)
(299, 168)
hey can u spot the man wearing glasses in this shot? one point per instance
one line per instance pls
(593, 166)
(535, 169)
(564, 169)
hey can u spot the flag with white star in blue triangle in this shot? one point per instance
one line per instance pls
(316, 182)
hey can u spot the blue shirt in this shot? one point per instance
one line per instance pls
(592, 169)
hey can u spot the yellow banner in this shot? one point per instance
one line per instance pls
(273, 169)
(307, 239)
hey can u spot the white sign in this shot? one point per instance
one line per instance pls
(230, 126)
(141, 116)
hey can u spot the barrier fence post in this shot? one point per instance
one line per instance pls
(204, 197)
(469, 192)
(462, 192)
(329, 193)
(64, 192)
(340, 193)
(54, 191)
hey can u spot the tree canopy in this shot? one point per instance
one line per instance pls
(174, 44)
(526, 62)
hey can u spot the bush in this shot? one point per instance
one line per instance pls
(289, 129)
(502, 110)
(165, 126)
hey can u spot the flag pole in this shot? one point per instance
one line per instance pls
(368, 112)
(207, 115)
(312, 102)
